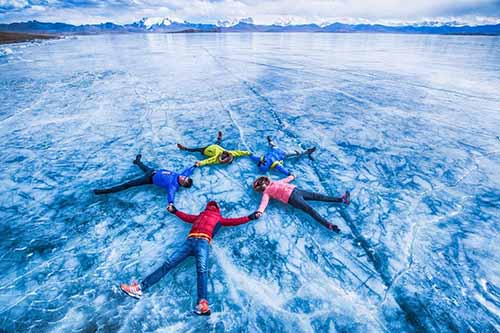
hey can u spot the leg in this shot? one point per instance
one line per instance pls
(314, 214)
(297, 201)
(270, 142)
(201, 253)
(175, 258)
(298, 153)
(199, 150)
(219, 138)
(146, 180)
(313, 196)
(141, 165)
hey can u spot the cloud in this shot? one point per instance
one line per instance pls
(262, 12)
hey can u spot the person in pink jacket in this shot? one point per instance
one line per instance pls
(287, 193)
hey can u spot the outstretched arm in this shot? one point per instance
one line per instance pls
(255, 158)
(239, 153)
(186, 217)
(234, 221)
(183, 216)
(208, 161)
(188, 171)
(171, 195)
(263, 203)
(288, 179)
(282, 169)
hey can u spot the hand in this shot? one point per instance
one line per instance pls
(181, 147)
(258, 214)
(293, 176)
(171, 208)
(254, 215)
(197, 163)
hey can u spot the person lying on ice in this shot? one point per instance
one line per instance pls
(274, 158)
(195, 245)
(290, 194)
(169, 180)
(216, 154)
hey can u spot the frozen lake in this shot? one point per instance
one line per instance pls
(409, 124)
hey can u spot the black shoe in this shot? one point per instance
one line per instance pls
(310, 150)
(333, 228)
(137, 159)
(346, 198)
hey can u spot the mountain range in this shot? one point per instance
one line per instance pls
(166, 25)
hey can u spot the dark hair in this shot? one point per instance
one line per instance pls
(257, 184)
(188, 183)
(226, 157)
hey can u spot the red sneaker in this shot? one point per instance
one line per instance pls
(202, 308)
(133, 290)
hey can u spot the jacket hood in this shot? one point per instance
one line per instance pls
(212, 206)
(265, 165)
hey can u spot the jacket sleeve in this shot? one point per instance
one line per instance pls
(255, 158)
(171, 194)
(263, 203)
(287, 179)
(234, 221)
(211, 160)
(281, 169)
(186, 217)
(188, 172)
(239, 153)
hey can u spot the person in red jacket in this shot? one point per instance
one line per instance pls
(205, 225)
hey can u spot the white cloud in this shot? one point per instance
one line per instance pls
(262, 12)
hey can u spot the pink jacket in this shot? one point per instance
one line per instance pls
(279, 190)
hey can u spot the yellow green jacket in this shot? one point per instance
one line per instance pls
(214, 151)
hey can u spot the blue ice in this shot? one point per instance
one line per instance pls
(409, 124)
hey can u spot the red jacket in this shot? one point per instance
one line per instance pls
(205, 223)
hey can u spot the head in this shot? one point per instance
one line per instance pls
(225, 157)
(212, 206)
(261, 183)
(185, 181)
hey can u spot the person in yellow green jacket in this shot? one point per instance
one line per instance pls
(215, 153)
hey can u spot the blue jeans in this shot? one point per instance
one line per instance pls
(197, 247)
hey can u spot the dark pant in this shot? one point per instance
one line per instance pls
(202, 149)
(147, 179)
(299, 199)
(197, 247)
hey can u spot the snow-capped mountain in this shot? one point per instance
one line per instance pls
(168, 25)
(149, 22)
(235, 21)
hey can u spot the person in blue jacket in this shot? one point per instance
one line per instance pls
(274, 158)
(169, 180)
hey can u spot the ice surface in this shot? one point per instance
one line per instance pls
(409, 124)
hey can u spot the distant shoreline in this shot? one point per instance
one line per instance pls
(16, 37)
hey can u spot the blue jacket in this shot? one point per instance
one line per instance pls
(273, 159)
(169, 180)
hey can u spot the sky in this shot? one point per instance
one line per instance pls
(261, 11)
